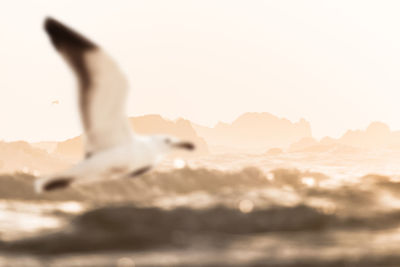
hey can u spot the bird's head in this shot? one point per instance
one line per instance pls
(169, 143)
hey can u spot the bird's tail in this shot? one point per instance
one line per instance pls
(52, 183)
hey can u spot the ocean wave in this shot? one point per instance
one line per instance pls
(283, 217)
(179, 181)
(118, 228)
(201, 188)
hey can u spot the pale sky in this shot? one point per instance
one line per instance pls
(334, 63)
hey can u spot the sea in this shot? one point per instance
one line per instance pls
(339, 207)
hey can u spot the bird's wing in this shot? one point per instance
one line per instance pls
(102, 88)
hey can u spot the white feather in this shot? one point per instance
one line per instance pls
(108, 124)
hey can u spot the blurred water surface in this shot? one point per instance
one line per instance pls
(336, 208)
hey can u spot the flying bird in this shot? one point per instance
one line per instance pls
(112, 150)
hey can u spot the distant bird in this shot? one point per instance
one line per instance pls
(111, 148)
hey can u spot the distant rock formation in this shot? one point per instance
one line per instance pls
(71, 148)
(304, 143)
(255, 131)
(21, 156)
(148, 124)
(377, 136)
(181, 128)
(48, 146)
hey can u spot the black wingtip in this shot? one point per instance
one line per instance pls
(48, 21)
(59, 183)
(61, 35)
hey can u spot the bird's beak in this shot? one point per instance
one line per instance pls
(184, 145)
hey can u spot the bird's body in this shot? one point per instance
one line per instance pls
(112, 150)
(122, 161)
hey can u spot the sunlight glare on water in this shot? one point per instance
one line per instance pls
(71, 207)
(179, 163)
(15, 223)
(309, 181)
(246, 206)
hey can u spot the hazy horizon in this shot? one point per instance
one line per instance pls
(222, 123)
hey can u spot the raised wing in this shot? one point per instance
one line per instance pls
(102, 88)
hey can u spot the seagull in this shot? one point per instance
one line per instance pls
(112, 150)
